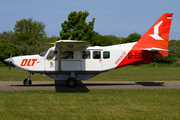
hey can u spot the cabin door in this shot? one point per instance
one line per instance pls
(70, 60)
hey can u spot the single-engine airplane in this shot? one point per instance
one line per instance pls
(77, 60)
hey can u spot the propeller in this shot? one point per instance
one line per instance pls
(9, 60)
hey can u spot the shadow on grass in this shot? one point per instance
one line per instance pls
(107, 84)
(151, 83)
(60, 86)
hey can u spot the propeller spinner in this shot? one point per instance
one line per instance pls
(9, 60)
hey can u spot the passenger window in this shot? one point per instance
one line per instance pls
(106, 54)
(85, 54)
(67, 55)
(96, 54)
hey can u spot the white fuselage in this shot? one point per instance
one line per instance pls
(108, 58)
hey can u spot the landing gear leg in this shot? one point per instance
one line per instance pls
(27, 81)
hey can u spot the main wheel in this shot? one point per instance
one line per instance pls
(27, 83)
(71, 82)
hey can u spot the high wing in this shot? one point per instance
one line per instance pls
(71, 44)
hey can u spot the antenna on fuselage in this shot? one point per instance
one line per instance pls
(70, 38)
(120, 42)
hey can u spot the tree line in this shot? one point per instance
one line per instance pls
(29, 37)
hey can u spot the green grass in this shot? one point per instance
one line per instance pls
(140, 73)
(16, 74)
(152, 72)
(95, 104)
(140, 104)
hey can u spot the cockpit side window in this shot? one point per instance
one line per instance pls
(50, 55)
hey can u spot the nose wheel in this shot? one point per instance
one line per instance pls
(27, 81)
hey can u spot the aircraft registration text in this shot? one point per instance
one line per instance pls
(138, 55)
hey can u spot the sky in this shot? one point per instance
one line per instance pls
(112, 17)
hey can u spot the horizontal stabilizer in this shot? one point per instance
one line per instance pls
(154, 49)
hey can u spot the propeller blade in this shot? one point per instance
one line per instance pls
(11, 55)
(10, 65)
(10, 62)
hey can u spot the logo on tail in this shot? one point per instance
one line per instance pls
(156, 32)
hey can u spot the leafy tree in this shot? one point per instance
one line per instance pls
(115, 40)
(5, 49)
(29, 31)
(26, 49)
(52, 39)
(4, 35)
(174, 46)
(77, 28)
(167, 60)
(99, 40)
(134, 37)
(8, 35)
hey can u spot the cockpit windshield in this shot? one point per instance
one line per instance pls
(43, 53)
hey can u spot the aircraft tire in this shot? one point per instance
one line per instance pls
(71, 82)
(27, 83)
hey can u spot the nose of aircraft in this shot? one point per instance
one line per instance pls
(8, 60)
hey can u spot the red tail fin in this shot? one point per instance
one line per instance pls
(153, 44)
(158, 35)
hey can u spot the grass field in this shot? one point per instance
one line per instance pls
(140, 104)
(129, 73)
(92, 105)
